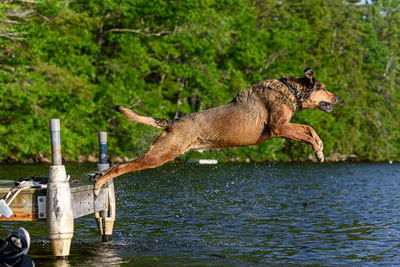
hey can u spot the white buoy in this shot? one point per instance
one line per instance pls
(203, 161)
(60, 217)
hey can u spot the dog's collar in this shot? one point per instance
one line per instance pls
(283, 80)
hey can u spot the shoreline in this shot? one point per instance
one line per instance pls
(335, 157)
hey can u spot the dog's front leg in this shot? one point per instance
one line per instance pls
(319, 154)
(301, 133)
(310, 131)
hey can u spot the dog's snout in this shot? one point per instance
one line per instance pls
(337, 99)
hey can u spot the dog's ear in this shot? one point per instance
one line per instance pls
(309, 74)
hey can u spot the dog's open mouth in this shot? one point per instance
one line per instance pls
(325, 106)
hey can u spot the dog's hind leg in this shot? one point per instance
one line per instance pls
(164, 148)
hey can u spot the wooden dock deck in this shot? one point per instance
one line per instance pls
(30, 204)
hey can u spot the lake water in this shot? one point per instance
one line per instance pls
(237, 215)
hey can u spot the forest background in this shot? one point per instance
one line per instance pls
(74, 59)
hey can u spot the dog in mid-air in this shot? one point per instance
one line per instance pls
(260, 112)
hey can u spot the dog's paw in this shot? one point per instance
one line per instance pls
(320, 156)
(96, 191)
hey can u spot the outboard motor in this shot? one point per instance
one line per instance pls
(14, 248)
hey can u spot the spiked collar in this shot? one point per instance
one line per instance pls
(299, 103)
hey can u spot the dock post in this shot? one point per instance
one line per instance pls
(60, 218)
(105, 219)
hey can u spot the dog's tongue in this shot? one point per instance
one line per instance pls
(325, 104)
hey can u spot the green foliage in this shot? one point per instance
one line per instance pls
(75, 59)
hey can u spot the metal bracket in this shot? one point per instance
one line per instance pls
(42, 207)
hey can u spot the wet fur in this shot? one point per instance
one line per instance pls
(260, 112)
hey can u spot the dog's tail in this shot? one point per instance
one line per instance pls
(136, 117)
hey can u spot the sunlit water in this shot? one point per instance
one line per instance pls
(237, 215)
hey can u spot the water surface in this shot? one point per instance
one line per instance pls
(237, 215)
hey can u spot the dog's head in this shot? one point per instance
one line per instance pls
(313, 93)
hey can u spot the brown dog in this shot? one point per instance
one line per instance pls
(254, 115)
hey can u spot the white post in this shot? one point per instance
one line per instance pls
(105, 219)
(103, 164)
(60, 217)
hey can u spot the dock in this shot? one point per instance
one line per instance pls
(58, 204)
